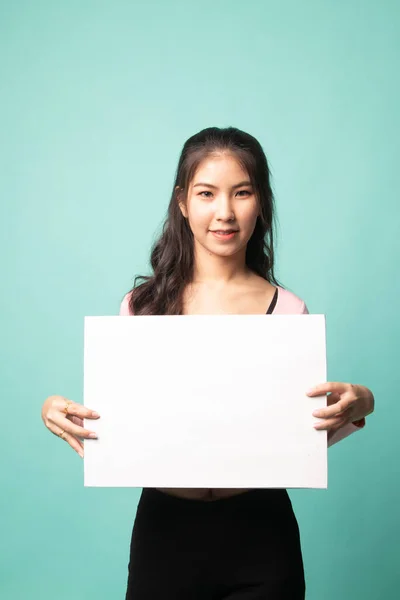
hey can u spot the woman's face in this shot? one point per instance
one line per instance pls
(221, 206)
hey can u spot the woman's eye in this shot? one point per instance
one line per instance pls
(240, 192)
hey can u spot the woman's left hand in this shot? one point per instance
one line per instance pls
(347, 403)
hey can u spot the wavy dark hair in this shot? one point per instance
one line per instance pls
(172, 255)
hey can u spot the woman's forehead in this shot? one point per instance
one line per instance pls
(223, 168)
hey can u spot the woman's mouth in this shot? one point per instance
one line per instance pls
(224, 234)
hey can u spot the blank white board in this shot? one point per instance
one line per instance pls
(205, 401)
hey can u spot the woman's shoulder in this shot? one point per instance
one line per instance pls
(290, 304)
(124, 307)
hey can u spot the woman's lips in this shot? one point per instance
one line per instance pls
(224, 235)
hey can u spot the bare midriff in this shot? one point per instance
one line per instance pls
(203, 493)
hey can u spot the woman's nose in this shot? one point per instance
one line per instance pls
(224, 210)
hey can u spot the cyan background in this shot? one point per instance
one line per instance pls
(96, 101)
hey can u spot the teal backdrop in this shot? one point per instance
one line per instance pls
(96, 101)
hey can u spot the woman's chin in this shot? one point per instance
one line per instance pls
(224, 252)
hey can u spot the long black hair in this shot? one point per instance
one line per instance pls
(172, 255)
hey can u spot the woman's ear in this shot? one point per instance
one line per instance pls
(181, 200)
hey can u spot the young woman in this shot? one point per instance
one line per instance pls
(216, 255)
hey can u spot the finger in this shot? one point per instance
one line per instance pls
(335, 422)
(62, 433)
(76, 444)
(75, 409)
(66, 425)
(337, 408)
(325, 388)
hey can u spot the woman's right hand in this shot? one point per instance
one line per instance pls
(65, 419)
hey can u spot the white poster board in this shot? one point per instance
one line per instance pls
(205, 401)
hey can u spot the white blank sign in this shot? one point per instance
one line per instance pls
(205, 401)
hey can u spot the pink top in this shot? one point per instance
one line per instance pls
(287, 304)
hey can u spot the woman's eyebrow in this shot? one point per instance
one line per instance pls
(215, 187)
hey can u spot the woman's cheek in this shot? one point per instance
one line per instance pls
(199, 223)
(202, 218)
(247, 221)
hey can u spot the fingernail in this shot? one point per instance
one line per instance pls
(95, 415)
(316, 413)
(310, 391)
(80, 453)
(93, 435)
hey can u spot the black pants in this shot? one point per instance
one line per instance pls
(243, 547)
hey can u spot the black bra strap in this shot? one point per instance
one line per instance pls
(273, 303)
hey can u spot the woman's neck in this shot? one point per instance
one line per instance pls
(218, 270)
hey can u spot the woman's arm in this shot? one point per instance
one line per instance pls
(344, 432)
(361, 405)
